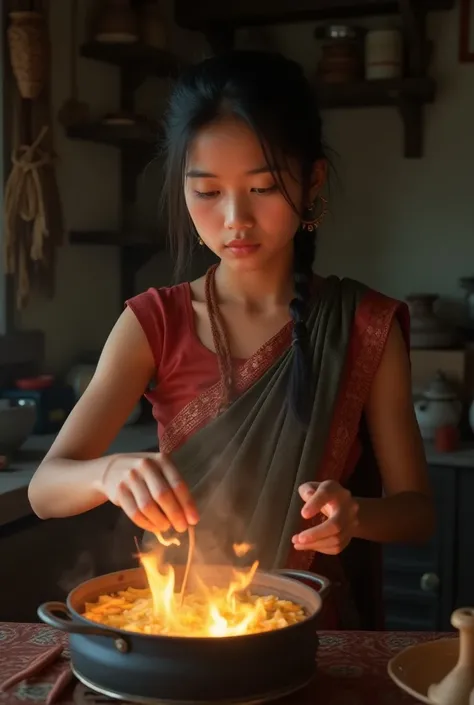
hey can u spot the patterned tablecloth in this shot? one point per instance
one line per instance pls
(352, 666)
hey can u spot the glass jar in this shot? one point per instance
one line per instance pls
(341, 54)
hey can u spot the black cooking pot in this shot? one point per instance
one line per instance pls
(145, 668)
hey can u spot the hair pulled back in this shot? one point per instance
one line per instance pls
(271, 94)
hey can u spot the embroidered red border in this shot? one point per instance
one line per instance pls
(372, 325)
(200, 410)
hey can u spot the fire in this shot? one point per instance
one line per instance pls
(199, 610)
(224, 611)
(241, 549)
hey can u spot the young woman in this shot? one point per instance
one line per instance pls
(283, 399)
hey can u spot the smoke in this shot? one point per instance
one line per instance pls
(82, 570)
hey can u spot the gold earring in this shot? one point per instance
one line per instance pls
(313, 222)
(200, 241)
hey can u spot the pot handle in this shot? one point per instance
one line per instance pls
(46, 612)
(322, 583)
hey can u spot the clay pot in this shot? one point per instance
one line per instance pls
(427, 330)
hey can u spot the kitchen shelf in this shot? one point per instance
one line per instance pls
(219, 22)
(115, 135)
(209, 14)
(134, 56)
(362, 94)
(137, 144)
(408, 95)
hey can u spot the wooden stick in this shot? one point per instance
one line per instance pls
(62, 682)
(34, 668)
(192, 543)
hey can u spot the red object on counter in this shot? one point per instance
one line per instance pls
(31, 383)
(446, 439)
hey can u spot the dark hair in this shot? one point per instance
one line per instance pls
(271, 94)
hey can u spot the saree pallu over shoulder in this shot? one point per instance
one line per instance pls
(372, 323)
(245, 465)
(356, 600)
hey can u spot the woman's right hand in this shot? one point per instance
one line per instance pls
(150, 490)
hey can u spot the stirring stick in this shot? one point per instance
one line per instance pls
(139, 551)
(191, 546)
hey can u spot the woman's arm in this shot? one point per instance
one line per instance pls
(406, 513)
(68, 481)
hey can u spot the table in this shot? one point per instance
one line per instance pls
(352, 666)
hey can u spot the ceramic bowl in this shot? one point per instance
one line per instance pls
(16, 424)
(415, 668)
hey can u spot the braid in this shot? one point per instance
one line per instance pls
(300, 374)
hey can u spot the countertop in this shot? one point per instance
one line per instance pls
(463, 457)
(15, 479)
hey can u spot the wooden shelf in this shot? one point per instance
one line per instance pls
(135, 56)
(209, 14)
(129, 239)
(218, 21)
(137, 143)
(115, 135)
(409, 95)
(376, 93)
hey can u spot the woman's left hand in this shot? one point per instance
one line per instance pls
(340, 509)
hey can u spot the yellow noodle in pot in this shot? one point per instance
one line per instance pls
(200, 615)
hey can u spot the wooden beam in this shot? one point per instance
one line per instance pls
(132, 259)
(7, 294)
(200, 15)
(362, 94)
(412, 114)
(414, 31)
(220, 37)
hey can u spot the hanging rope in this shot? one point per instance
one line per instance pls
(24, 202)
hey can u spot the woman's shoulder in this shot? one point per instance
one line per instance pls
(366, 307)
(354, 291)
(161, 300)
(163, 313)
(374, 312)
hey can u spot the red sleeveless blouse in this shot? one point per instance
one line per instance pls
(184, 366)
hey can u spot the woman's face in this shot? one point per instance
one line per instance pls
(233, 199)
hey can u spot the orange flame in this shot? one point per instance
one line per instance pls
(241, 549)
(215, 611)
